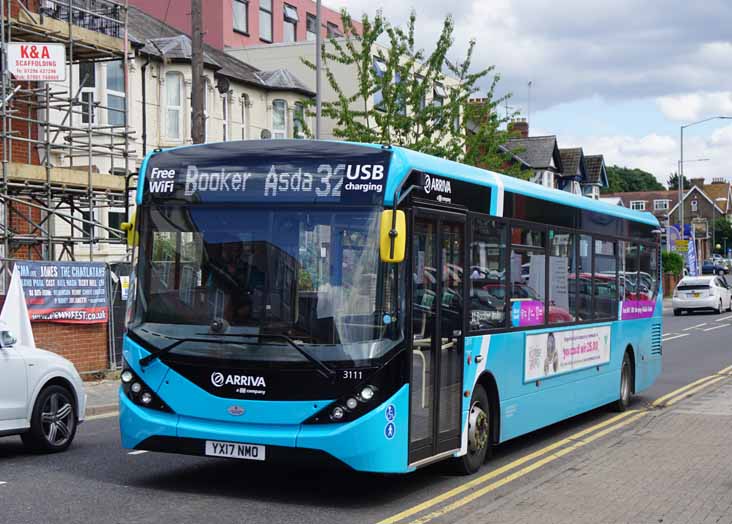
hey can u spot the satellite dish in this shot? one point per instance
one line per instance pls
(223, 85)
(266, 134)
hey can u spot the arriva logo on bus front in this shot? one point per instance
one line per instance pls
(218, 379)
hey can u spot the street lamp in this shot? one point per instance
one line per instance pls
(681, 167)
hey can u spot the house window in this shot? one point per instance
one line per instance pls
(241, 15)
(694, 205)
(298, 121)
(115, 217)
(423, 98)
(333, 31)
(379, 71)
(265, 20)
(638, 205)
(174, 100)
(438, 95)
(225, 115)
(289, 33)
(660, 205)
(279, 119)
(311, 27)
(88, 84)
(115, 94)
(244, 116)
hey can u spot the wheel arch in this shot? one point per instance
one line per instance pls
(630, 351)
(488, 381)
(55, 380)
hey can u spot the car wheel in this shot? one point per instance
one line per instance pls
(719, 307)
(53, 421)
(626, 384)
(479, 432)
(677, 312)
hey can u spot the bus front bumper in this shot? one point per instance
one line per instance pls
(362, 444)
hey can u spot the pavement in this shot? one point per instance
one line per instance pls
(667, 460)
(101, 397)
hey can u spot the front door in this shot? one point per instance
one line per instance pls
(13, 388)
(437, 254)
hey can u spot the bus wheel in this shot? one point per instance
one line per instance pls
(626, 384)
(478, 433)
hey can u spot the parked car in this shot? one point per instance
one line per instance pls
(704, 292)
(713, 267)
(42, 397)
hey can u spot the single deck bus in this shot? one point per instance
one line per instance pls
(373, 305)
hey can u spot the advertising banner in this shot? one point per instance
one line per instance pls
(548, 354)
(37, 61)
(65, 292)
(632, 309)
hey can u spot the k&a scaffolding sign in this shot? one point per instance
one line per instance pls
(38, 61)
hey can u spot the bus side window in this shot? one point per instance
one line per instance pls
(487, 303)
(629, 274)
(528, 277)
(604, 280)
(648, 272)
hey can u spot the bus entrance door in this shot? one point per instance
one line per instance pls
(437, 295)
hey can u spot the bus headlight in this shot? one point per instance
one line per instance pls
(351, 403)
(138, 392)
(367, 393)
(337, 414)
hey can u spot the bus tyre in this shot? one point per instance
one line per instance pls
(53, 421)
(479, 433)
(626, 384)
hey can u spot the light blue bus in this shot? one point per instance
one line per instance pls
(373, 306)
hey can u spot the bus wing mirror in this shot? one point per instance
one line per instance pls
(393, 236)
(129, 227)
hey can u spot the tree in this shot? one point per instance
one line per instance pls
(673, 181)
(672, 263)
(723, 233)
(398, 79)
(624, 180)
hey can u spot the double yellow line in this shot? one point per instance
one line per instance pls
(495, 479)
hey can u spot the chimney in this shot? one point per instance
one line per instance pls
(718, 180)
(699, 182)
(519, 126)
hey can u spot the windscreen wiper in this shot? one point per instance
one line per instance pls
(323, 369)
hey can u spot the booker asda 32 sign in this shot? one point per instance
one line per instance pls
(37, 61)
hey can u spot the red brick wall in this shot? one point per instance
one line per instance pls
(83, 344)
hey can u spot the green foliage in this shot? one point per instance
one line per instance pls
(722, 233)
(673, 181)
(672, 263)
(624, 179)
(404, 116)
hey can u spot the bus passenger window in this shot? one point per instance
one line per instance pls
(648, 274)
(584, 278)
(487, 275)
(604, 279)
(629, 273)
(528, 277)
(562, 279)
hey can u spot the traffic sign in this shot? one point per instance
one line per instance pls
(682, 246)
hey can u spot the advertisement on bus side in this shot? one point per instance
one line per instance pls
(552, 353)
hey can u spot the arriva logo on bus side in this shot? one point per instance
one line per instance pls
(436, 184)
(218, 379)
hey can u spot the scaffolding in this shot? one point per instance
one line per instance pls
(52, 194)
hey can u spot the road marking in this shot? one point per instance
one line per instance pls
(2, 482)
(675, 337)
(694, 327)
(524, 471)
(692, 391)
(104, 415)
(728, 317)
(701, 382)
(138, 452)
(503, 469)
(716, 327)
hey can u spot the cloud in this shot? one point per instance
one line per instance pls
(574, 49)
(694, 106)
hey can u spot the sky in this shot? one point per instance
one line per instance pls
(616, 77)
